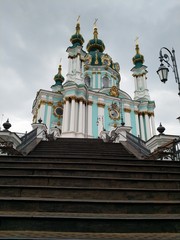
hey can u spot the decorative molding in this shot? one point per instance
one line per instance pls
(151, 114)
(58, 123)
(138, 75)
(43, 102)
(100, 104)
(127, 110)
(114, 91)
(73, 98)
(81, 99)
(49, 103)
(136, 111)
(90, 102)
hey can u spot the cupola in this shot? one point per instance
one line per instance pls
(77, 39)
(95, 43)
(138, 59)
(58, 78)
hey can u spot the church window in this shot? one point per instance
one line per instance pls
(105, 82)
(87, 81)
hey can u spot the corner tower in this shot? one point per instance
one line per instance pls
(139, 74)
(76, 56)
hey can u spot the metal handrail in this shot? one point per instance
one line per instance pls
(168, 151)
(27, 139)
(138, 143)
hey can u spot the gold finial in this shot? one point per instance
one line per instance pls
(60, 67)
(137, 45)
(78, 25)
(95, 29)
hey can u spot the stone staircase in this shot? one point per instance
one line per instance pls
(88, 189)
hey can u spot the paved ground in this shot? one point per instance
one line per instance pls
(70, 236)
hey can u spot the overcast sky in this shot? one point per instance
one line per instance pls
(34, 35)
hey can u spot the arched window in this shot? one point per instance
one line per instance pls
(87, 80)
(105, 82)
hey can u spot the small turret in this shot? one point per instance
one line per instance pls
(95, 43)
(77, 39)
(59, 79)
(138, 59)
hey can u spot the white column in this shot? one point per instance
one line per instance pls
(101, 118)
(76, 117)
(145, 82)
(135, 83)
(66, 120)
(89, 117)
(63, 120)
(80, 119)
(153, 125)
(69, 65)
(142, 127)
(41, 112)
(78, 63)
(72, 117)
(148, 129)
(99, 81)
(137, 124)
(83, 117)
(127, 111)
(94, 80)
(48, 118)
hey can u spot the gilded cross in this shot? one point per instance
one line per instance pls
(95, 22)
(78, 18)
(136, 40)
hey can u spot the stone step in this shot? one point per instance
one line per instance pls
(136, 174)
(89, 181)
(86, 222)
(43, 235)
(89, 193)
(88, 159)
(67, 153)
(88, 206)
(85, 165)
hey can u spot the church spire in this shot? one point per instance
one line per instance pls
(138, 59)
(77, 39)
(95, 43)
(58, 78)
(95, 29)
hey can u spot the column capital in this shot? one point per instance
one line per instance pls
(102, 105)
(90, 102)
(136, 111)
(127, 110)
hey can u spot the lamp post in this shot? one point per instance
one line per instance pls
(163, 70)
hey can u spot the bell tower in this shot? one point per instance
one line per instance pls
(76, 56)
(139, 74)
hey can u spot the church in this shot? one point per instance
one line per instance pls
(90, 100)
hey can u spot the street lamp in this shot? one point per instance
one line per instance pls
(163, 70)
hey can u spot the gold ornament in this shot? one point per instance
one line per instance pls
(114, 91)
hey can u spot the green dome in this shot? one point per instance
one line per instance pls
(95, 43)
(138, 59)
(58, 78)
(77, 39)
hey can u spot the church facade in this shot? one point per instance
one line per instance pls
(90, 99)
